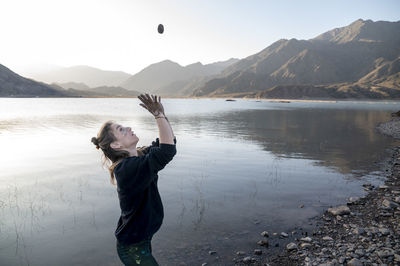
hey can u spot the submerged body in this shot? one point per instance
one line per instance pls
(140, 201)
(136, 172)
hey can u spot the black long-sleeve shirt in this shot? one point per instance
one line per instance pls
(141, 207)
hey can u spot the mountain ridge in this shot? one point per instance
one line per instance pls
(343, 55)
(158, 76)
(14, 85)
(360, 60)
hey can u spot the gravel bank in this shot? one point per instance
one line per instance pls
(391, 128)
(365, 231)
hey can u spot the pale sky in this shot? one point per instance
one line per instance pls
(122, 34)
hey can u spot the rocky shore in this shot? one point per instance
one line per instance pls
(392, 127)
(366, 231)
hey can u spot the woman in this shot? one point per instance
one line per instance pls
(136, 173)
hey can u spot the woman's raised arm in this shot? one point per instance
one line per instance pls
(153, 105)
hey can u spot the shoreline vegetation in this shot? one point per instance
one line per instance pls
(364, 231)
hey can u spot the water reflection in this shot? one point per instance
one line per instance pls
(241, 168)
(342, 139)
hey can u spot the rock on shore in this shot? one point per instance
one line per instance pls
(391, 128)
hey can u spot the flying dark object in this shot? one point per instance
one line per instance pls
(160, 28)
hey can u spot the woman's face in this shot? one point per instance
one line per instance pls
(126, 139)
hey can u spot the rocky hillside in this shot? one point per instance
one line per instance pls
(82, 90)
(13, 85)
(359, 60)
(170, 78)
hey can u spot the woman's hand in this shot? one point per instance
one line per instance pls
(152, 104)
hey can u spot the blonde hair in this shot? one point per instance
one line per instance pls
(111, 157)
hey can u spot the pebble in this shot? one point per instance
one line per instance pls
(389, 204)
(341, 210)
(263, 242)
(240, 253)
(387, 252)
(353, 200)
(355, 262)
(327, 238)
(384, 231)
(265, 234)
(358, 231)
(327, 264)
(248, 260)
(305, 245)
(212, 252)
(306, 239)
(291, 246)
(257, 252)
(359, 252)
(283, 234)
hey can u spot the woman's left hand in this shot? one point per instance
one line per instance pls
(152, 104)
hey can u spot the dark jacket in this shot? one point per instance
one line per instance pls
(141, 207)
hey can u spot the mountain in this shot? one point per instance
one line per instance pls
(82, 90)
(170, 78)
(389, 70)
(343, 58)
(14, 85)
(93, 77)
(363, 31)
(114, 91)
(72, 85)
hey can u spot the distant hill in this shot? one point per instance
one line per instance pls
(72, 85)
(114, 91)
(82, 90)
(14, 85)
(361, 60)
(92, 77)
(170, 78)
(345, 61)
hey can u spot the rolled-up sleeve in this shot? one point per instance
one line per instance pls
(159, 157)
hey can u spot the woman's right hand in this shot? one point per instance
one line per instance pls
(152, 104)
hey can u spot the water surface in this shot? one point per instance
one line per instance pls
(241, 168)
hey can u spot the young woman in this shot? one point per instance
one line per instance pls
(135, 170)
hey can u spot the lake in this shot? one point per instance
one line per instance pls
(241, 168)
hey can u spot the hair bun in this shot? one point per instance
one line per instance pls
(95, 141)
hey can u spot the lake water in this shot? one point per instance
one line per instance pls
(242, 167)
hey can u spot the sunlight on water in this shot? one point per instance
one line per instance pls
(242, 167)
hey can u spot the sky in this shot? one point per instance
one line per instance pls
(122, 35)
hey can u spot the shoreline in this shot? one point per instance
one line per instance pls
(226, 98)
(365, 231)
